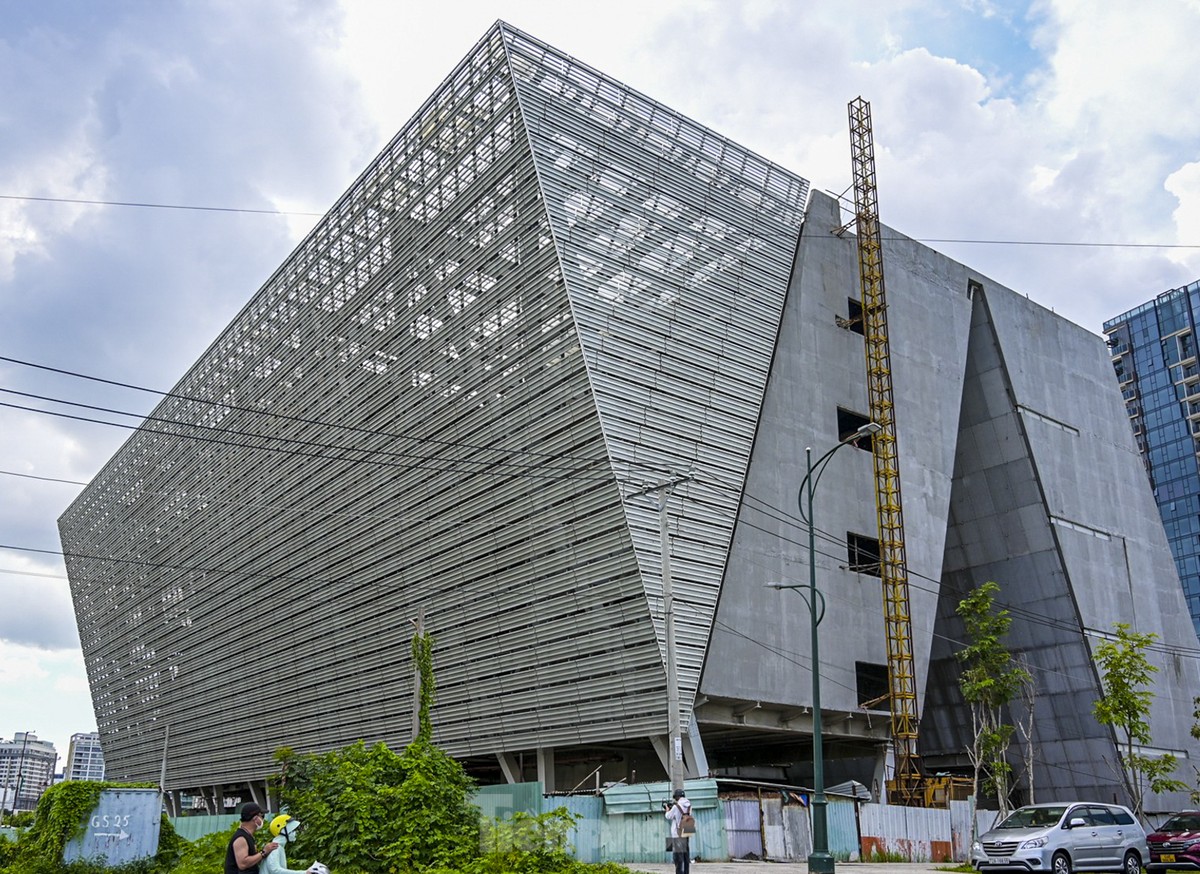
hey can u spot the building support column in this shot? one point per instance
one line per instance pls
(510, 768)
(695, 760)
(545, 768)
(885, 764)
(662, 747)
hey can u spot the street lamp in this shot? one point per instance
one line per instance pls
(820, 861)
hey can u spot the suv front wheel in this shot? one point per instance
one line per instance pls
(1061, 864)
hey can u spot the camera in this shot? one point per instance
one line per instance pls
(667, 805)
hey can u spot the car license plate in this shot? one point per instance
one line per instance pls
(1001, 859)
(1166, 857)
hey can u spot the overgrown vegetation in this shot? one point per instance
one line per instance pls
(371, 809)
(62, 814)
(206, 855)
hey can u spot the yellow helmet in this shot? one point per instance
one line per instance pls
(278, 823)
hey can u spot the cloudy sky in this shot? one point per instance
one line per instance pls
(1020, 126)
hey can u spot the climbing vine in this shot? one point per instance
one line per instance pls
(422, 655)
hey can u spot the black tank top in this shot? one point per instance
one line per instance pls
(231, 866)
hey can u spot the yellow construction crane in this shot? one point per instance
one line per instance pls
(907, 786)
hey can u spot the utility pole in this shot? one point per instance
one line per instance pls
(674, 733)
(419, 623)
(662, 492)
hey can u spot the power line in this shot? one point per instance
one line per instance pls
(440, 465)
(550, 456)
(147, 205)
(1015, 610)
(425, 462)
(47, 479)
(422, 462)
(234, 209)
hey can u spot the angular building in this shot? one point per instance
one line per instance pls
(550, 321)
(1154, 354)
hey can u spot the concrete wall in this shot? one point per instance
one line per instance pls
(1050, 501)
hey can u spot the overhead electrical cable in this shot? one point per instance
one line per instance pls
(449, 463)
(551, 456)
(148, 205)
(426, 463)
(278, 212)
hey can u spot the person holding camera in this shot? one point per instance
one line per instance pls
(683, 824)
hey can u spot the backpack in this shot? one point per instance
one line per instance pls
(687, 825)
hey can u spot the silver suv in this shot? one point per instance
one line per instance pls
(1061, 838)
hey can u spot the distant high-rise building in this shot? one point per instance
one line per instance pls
(85, 759)
(461, 397)
(26, 770)
(1154, 354)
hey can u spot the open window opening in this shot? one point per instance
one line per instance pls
(849, 422)
(863, 554)
(871, 681)
(853, 321)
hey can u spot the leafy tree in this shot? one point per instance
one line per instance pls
(206, 854)
(990, 679)
(1124, 706)
(1194, 794)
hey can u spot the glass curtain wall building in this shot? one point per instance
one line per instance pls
(85, 758)
(1154, 355)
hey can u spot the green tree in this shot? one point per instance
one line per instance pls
(1195, 732)
(989, 681)
(1126, 674)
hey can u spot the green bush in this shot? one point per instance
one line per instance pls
(372, 810)
(526, 844)
(206, 854)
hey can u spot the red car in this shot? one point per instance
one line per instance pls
(1176, 843)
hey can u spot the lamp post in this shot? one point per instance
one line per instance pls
(820, 861)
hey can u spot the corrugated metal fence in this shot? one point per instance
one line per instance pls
(626, 824)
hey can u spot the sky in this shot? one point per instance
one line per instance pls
(1002, 132)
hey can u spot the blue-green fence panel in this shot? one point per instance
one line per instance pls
(842, 816)
(641, 837)
(585, 837)
(191, 828)
(505, 799)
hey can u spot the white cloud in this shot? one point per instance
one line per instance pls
(1184, 184)
(26, 675)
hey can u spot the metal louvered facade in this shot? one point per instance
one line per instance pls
(545, 292)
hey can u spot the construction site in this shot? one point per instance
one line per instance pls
(643, 431)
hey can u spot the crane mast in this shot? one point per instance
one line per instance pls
(907, 785)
